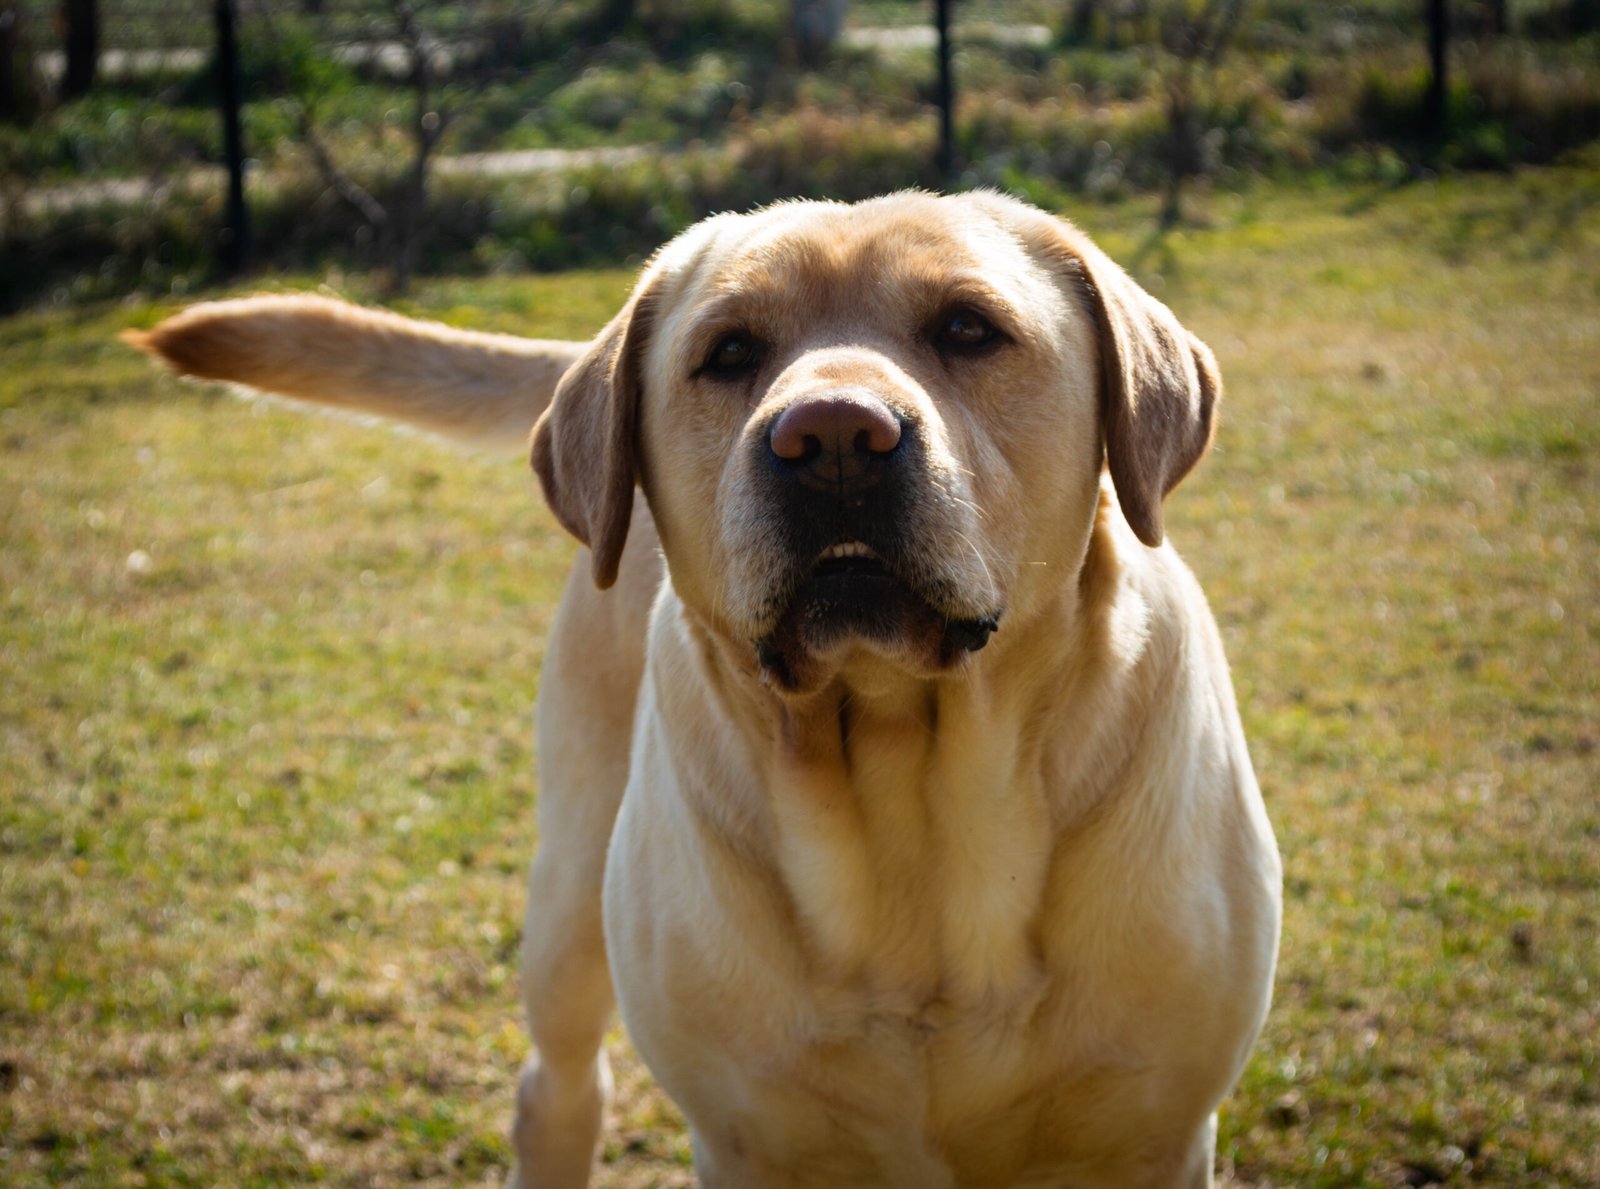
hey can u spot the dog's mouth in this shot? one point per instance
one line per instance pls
(853, 594)
(850, 579)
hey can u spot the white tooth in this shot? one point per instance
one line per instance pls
(846, 549)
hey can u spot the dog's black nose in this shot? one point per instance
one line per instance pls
(837, 441)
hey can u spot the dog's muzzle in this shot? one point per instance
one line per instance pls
(848, 478)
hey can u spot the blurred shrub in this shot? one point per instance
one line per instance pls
(107, 249)
(1309, 87)
(1502, 108)
(1563, 19)
(106, 135)
(644, 102)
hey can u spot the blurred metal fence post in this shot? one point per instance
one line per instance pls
(234, 239)
(79, 21)
(1436, 102)
(19, 91)
(947, 101)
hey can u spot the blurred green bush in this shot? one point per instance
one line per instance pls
(1304, 89)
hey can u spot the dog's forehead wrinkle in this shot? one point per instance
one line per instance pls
(792, 254)
(681, 261)
(852, 248)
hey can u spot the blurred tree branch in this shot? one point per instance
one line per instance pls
(394, 213)
(1195, 38)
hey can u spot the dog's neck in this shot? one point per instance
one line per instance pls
(914, 822)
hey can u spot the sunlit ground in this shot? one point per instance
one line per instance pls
(266, 684)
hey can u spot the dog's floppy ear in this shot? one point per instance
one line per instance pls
(1159, 385)
(1159, 388)
(583, 445)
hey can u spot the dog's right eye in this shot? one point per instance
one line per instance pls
(735, 354)
(964, 331)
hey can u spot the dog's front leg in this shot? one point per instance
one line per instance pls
(566, 988)
(1200, 1170)
(1188, 1163)
(589, 686)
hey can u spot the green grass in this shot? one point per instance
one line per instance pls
(265, 683)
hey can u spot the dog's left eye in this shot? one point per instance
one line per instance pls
(734, 355)
(965, 330)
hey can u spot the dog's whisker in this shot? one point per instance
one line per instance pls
(978, 554)
(956, 499)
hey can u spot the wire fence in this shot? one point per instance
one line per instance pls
(182, 101)
(550, 133)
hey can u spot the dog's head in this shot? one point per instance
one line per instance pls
(875, 428)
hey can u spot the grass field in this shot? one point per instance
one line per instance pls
(266, 788)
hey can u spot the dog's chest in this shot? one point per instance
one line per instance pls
(945, 1093)
(908, 967)
(930, 1034)
(916, 867)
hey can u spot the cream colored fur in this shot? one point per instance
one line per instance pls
(480, 389)
(1002, 918)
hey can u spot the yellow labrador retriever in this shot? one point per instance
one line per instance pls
(891, 778)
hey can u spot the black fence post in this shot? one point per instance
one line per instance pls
(234, 239)
(81, 41)
(947, 100)
(1436, 102)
